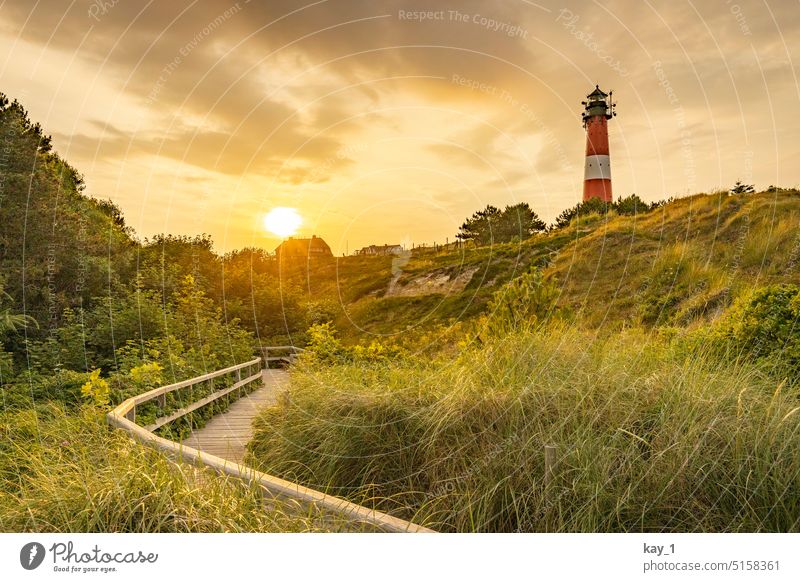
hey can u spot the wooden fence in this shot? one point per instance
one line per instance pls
(124, 417)
(280, 354)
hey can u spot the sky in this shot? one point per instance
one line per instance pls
(392, 121)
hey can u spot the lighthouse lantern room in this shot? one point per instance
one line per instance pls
(599, 108)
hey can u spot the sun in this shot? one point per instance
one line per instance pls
(282, 221)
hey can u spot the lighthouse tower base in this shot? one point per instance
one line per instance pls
(597, 189)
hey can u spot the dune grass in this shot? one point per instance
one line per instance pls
(650, 436)
(68, 472)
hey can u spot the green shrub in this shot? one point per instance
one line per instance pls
(96, 390)
(764, 325)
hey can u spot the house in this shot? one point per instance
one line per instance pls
(381, 250)
(303, 248)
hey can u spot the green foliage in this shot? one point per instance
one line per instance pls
(626, 206)
(148, 375)
(6, 366)
(591, 206)
(740, 188)
(523, 302)
(764, 325)
(772, 189)
(630, 206)
(323, 345)
(491, 225)
(166, 260)
(11, 322)
(96, 390)
(29, 390)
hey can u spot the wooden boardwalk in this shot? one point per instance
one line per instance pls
(221, 444)
(227, 434)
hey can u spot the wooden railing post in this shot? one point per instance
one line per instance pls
(549, 468)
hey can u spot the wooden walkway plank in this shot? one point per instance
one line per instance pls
(227, 434)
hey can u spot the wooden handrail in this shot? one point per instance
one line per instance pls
(202, 402)
(123, 417)
(145, 396)
(287, 358)
(295, 348)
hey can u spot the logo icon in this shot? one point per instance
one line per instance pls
(31, 555)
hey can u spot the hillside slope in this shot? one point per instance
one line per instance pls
(681, 263)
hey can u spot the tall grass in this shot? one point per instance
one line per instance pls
(650, 437)
(63, 472)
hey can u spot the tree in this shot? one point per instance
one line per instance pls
(740, 188)
(590, 206)
(520, 221)
(491, 225)
(479, 228)
(631, 205)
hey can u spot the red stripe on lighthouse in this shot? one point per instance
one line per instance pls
(596, 136)
(597, 189)
(597, 169)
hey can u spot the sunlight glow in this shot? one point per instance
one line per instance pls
(282, 221)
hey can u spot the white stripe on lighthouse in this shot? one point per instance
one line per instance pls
(597, 168)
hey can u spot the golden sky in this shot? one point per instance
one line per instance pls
(390, 121)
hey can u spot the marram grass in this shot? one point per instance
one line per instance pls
(649, 437)
(63, 472)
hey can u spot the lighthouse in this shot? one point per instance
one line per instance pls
(599, 108)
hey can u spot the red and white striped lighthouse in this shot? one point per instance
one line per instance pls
(597, 170)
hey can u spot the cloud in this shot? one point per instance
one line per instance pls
(285, 91)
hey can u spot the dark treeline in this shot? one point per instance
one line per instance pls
(77, 286)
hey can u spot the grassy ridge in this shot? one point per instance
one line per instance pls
(680, 264)
(651, 436)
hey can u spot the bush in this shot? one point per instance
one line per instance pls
(96, 390)
(325, 348)
(764, 325)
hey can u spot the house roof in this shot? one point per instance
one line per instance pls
(303, 245)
